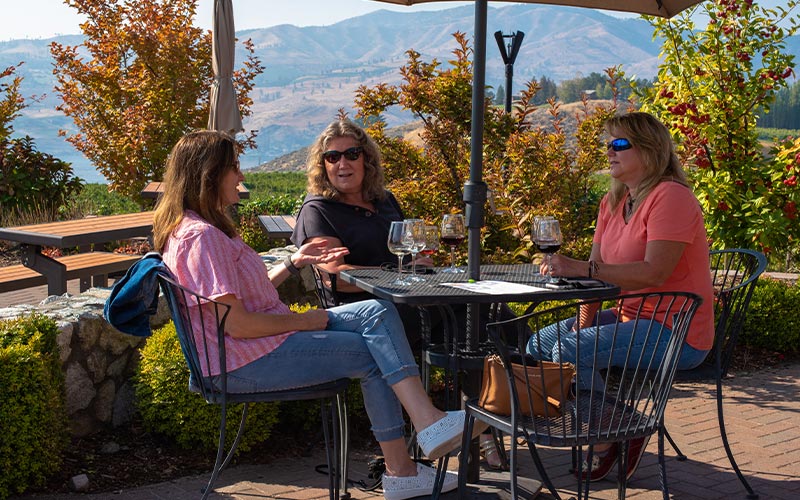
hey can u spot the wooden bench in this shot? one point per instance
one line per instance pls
(277, 226)
(92, 268)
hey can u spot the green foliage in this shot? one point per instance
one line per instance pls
(710, 86)
(11, 101)
(773, 134)
(785, 111)
(771, 322)
(267, 185)
(34, 421)
(529, 170)
(96, 199)
(169, 408)
(247, 215)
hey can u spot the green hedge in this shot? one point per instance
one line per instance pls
(32, 409)
(772, 321)
(169, 408)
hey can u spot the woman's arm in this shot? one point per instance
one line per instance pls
(660, 259)
(244, 324)
(336, 265)
(312, 252)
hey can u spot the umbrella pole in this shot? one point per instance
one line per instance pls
(475, 188)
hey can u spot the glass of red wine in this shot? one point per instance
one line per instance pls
(547, 236)
(452, 235)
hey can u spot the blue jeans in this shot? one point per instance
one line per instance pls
(543, 345)
(364, 340)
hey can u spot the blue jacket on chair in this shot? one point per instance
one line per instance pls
(134, 298)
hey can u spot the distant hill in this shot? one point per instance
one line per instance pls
(311, 72)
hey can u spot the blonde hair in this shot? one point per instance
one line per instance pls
(373, 187)
(654, 143)
(195, 168)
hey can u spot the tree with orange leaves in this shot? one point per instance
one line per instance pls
(140, 80)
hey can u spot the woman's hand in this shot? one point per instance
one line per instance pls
(564, 267)
(317, 252)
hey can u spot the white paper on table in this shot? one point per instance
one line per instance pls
(492, 287)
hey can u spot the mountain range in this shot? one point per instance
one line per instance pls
(311, 72)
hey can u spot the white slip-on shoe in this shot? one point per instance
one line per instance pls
(401, 488)
(442, 436)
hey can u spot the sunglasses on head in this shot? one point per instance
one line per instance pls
(334, 156)
(619, 145)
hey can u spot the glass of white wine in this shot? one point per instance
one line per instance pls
(399, 243)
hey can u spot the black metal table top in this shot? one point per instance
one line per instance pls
(434, 291)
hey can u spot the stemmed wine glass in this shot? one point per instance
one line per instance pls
(431, 241)
(453, 234)
(415, 229)
(547, 236)
(399, 244)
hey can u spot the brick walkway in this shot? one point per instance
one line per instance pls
(762, 415)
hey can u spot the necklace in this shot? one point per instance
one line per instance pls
(627, 210)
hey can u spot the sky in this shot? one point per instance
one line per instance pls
(47, 18)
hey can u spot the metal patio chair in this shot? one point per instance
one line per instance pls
(592, 412)
(734, 273)
(182, 304)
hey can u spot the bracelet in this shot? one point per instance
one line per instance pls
(593, 269)
(289, 265)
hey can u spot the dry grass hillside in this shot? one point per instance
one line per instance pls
(569, 113)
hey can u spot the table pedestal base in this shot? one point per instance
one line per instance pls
(496, 486)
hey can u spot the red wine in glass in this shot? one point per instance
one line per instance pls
(427, 252)
(452, 241)
(548, 247)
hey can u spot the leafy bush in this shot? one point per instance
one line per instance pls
(770, 322)
(96, 199)
(248, 213)
(169, 408)
(265, 185)
(32, 411)
(32, 180)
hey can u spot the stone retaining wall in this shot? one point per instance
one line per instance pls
(99, 360)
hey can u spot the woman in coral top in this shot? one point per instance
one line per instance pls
(650, 237)
(271, 348)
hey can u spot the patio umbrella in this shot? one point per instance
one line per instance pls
(475, 189)
(223, 106)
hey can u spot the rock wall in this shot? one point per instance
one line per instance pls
(99, 361)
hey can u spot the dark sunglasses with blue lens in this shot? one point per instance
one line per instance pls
(334, 156)
(619, 145)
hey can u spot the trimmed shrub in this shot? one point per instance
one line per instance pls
(32, 411)
(170, 409)
(770, 322)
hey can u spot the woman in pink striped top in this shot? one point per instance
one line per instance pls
(271, 348)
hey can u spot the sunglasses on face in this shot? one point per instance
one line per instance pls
(334, 156)
(619, 145)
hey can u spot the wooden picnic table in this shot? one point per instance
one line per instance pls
(153, 189)
(73, 233)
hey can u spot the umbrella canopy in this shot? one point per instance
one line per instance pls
(223, 107)
(475, 189)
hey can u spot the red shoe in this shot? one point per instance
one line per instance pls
(636, 449)
(602, 463)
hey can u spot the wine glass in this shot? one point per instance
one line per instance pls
(415, 229)
(547, 237)
(431, 241)
(399, 244)
(453, 234)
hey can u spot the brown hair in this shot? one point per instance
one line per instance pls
(195, 168)
(373, 187)
(654, 143)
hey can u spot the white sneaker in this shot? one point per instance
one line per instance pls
(401, 488)
(444, 435)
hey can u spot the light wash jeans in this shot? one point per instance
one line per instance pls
(545, 342)
(364, 340)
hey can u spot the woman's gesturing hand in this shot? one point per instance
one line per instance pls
(317, 252)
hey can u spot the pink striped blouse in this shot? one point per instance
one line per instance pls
(206, 261)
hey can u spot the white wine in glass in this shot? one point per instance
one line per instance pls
(399, 244)
(453, 234)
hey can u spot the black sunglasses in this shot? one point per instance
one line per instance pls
(334, 156)
(619, 145)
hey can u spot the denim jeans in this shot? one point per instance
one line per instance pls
(543, 346)
(363, 340)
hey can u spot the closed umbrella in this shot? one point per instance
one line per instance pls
(475, 189)
(223, 106)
